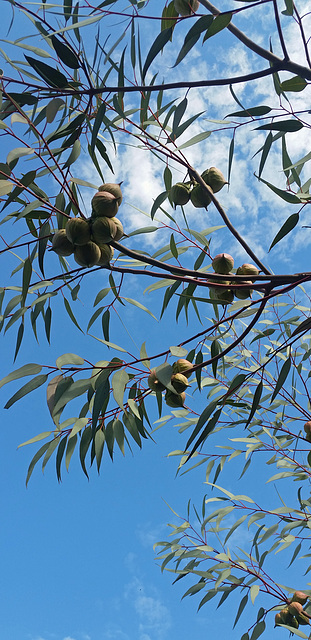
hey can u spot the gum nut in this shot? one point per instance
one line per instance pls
(87, 255)
(78, 231)
(104, 204)
(60, 243)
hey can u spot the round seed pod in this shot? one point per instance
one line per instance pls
(103, 230)
(78, 231)
(284, 617)
(295, 608)
(247, 270)
(300, 596)
(225, 296)
(183, 366)
(119, 232)
(214, 178)
(243, 294)
(175, 400)
(179, 194)
(186, 7)
(179, 382)
(223, 263)
(307, 428)
(113, 188)
(87, 255)
(104, 204)
(106, 254)
(154, 383)
(199, 198)
(302, 618)
(60, 243)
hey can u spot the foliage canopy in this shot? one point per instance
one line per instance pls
(72, 107)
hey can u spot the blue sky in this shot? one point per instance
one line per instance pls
(77, 559)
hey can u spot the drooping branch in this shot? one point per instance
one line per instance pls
(287, 65)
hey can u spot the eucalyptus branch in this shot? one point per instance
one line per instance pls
(235, 233)
(279, 28)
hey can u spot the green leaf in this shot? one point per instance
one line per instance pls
(169, 15)
(161, 40)
(254, 591)
(77, 25)
(258, 630)
(286, 228)
(65, 53)
(256, 400)
(27, 370)
(198, 138)
(118, 382)
(27, 272)
(99, 443)
(102, 151)
(294, 84)
(219, 23)
(52, 108)
(252, 111)
(37, 438)
(241, 608)
(282, 377)
(193, 36)
(27, 388)
(304, 326)
(201, 421)
(71, 315)
(289, 126)
(52, 77)
(35, 459)
(19, 338)
(139, 305)
(84, 446)
(69, 358)
(17, 153)
(178, 352)
(43, 240)
(5, 187)
(265, 152)
(164, 373)
(206, 431)
(97, 124)
(119, 435)
(285, 195)
(59, 456)
(157, 203)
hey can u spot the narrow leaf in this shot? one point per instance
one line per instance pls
(27, 388)
(52, 77)
(286, 228)
(282, 377)
(161, 40)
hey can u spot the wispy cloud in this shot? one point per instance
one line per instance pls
(148, 534)
(154, 619)
(115, 632)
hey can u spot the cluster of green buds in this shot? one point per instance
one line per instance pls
(175, 395)
(223, 264)
(88, 238)
(293, 615)
(182, 192)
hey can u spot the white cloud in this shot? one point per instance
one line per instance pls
(251, 205)
(153, 615)
(115, 633)
(149, 534)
